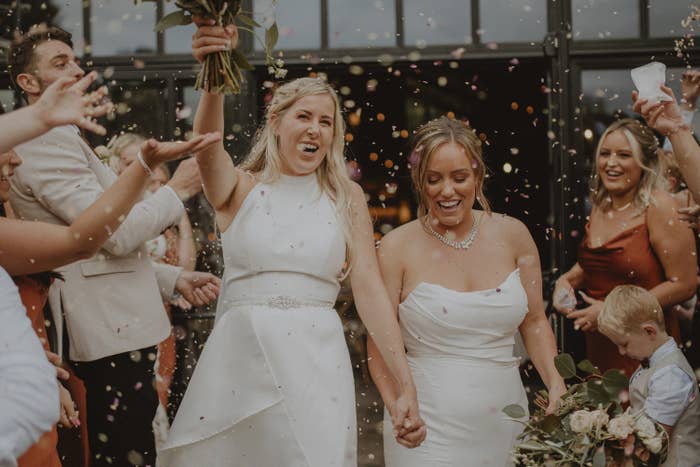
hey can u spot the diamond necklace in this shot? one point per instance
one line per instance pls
(464, 244)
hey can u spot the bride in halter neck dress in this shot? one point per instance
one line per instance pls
(274, 385)
(464, 282)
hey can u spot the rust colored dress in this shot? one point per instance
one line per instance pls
(44, 452)
(627, 258)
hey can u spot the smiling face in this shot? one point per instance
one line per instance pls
(450, 185)
(618, 168)
(8, 162)
(305, 133)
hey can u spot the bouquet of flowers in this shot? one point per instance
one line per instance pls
(590, 426)
(221, 72)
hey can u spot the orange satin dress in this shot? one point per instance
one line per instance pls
(43, 453)
(627, 258)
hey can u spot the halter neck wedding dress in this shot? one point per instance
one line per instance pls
(274, 385)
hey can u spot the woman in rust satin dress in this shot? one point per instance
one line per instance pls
(633, 237)
(33, 290)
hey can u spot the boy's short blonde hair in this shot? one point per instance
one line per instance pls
(627, 307)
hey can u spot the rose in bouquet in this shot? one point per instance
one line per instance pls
(590, 426)
(221, 71)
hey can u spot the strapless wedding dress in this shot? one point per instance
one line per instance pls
(460, 351)
(274, 385)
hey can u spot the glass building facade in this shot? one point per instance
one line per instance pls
(538, 79)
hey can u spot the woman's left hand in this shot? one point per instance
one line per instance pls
(555, 392)
(587, 319)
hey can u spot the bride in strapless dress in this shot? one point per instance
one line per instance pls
(464, 281)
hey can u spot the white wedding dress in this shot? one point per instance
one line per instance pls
(460, 351)
(274, 385)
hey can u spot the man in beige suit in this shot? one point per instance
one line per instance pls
(111, 303)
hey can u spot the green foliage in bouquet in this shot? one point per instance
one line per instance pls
(221, 71)
(590, 426)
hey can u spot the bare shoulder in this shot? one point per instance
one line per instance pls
(663, 205)
(504, 226)
(357, 194)
(398, 238)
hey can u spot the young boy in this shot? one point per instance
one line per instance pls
(664, 386)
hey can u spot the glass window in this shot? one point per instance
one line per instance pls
(67, 14)
(140, 107)
(121, 28)
(299, 23)
(513, 20)
(606, 92)
(178, 40)
(426, 24)
(665, 17)
(361, 23)
(70, 18)
(7, 100)
(605, 19)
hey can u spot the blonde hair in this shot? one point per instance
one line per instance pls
(627, 307)
(670, 169)
(428, 139)
(265, 159)
(111, 154)
(645, 150)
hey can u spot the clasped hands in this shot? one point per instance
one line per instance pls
(409, 427)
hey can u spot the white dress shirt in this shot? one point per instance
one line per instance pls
(28, 388)
(670, 388)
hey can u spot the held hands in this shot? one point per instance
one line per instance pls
(211, 38)
(587, 318)
(68, 416)
(198, 288)
(409, 428)
(664, 117)
(65, 102)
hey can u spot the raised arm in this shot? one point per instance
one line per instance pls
(219, 176)
(62, 103)
(378, 315)
(674, 245)
(665, 117)
(29, 247)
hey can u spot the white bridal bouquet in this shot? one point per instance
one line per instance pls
(221, 71)
(590, 427)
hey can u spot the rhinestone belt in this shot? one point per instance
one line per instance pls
(282, 302)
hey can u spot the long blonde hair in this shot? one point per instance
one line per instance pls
(428, 139)
(265, 160)
(645, 150)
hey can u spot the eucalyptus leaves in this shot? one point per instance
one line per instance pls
(221, 72)
(590, 426)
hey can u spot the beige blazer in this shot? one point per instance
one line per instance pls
(110, 302)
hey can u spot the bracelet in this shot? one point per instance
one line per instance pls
(681, 126)
(139, 157)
